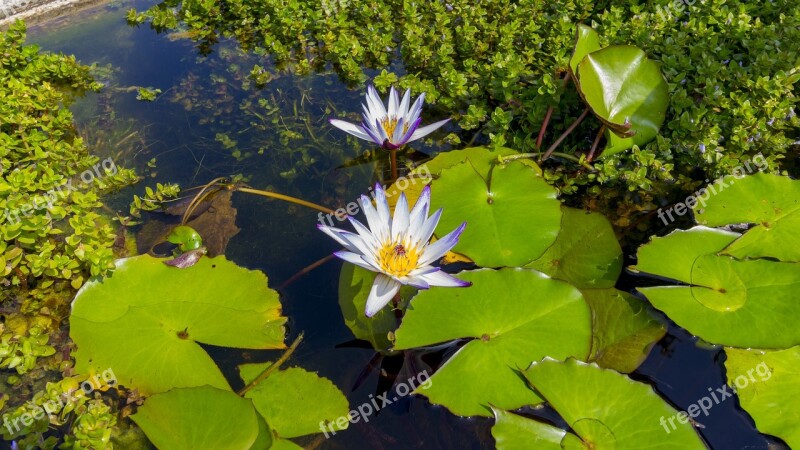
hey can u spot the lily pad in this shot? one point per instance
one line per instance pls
(768, 385)
(586, 252)
(514, 432)
(771, 202)
(294, 401)
(512, 317)
(186, 238)
(739, 303)
(198, 417)
(354, 286)
(586, 41)
(146, 322)
(607, 410)
(512, 214)
(623, 333)
(626, 91)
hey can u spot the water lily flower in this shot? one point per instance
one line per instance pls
(397, 247)
(390, 126)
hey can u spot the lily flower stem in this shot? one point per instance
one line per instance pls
(596, 142)
(286, 198)
(273, 367)
(566, 133)
(393, 164)
(304, 271)
(549, 114)
(198, 198)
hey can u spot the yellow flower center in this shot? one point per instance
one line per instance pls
(389, 125)
(397, 260)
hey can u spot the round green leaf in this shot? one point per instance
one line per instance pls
(146, 321)
(768, 387)
(749, 303)
(513, 432)
(186, 238)
(293, 401)
(626, 91)
(771, 202)
(513, 317)
(607, 410)
(512, 214)
(586, 252)
(198, 417)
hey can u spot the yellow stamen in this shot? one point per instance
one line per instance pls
(389, 124)
(398, 260)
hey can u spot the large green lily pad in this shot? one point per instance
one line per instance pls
(513, 317)
(199, 417)
(146, 322)
(586, 252)
(627, 92)
(607, 410)
(740, 303)
(512, 214)
(294, 401)
(623, 333)
(770, 202)
(768, 387)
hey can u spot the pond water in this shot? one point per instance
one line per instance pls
(205, 125)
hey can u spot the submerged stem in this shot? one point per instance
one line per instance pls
(273, 367)
(596, 142)
(566, 133)
(286, 198)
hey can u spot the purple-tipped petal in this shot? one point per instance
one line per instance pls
(354, 258)
(443, 279)
(403, 109)
(375, 103)
(410, 132)
(427, 129)
(394, 103)
(350, 128)
(442, 246)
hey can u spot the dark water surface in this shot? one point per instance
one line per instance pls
(190, 129)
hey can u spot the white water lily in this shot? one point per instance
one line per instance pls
(390, 126)
(397, 248)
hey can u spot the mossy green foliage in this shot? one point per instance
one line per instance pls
(498, 65)
(50, 228)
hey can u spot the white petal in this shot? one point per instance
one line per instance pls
(393, 103)
(419, 213)
(383, 136)
(440, 278)
(341, 236)
(400, 220)
(427, 129)
(356, 259)
(398, 132)
(350, 128)
(378, 227)
(442, 246)
(416, 109)
(381, 293)
(383, 208)
(403, 109)
(375, 103)
(424, 233)
(366, 234)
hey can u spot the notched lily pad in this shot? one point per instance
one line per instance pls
(147, 320)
